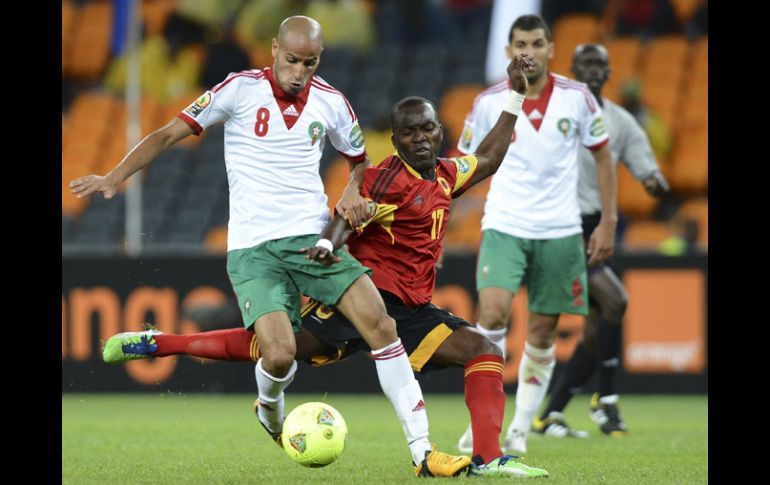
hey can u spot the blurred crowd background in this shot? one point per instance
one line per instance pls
(376, 53)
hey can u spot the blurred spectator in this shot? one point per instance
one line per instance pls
(646, 18)
(257, 23)
(345, 22)
(211, 13)
(656, 128)
(224, 56)
(699, 23)
(553, 9)
(170, 64)
(450, 22)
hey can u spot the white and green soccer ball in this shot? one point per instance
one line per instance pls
(314, 434)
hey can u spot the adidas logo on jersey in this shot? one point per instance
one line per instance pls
(290, 111)
(536, 115)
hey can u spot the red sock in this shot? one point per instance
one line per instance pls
(486, 402)
(233, 344)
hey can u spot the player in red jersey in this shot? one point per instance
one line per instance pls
(409, 197)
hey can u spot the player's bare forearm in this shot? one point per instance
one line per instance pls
(337, 231)
(351, 204)
(139, 157)
(606, 181)
(149, 148)
(601, 244)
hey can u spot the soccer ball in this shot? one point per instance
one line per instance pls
(314, 434)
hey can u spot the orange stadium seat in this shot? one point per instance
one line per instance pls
(568, 32)
(91, 45)
(87, 128)
(633, 199)
(695, 109)
(664, 60)
(116, 147)
(646, 234)
(216, 240)
(455, 106)
(698, 210)
(155, 13)
(624, 53)
(69, 14)
(689, 163)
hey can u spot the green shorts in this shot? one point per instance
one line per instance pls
(555, 270)
(269, 277)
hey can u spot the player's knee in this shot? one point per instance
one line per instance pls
(615, 308)
(494, 317)
(385, 329)
(541, 335)
(278, 360)
(487, 347)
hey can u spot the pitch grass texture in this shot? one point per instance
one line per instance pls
(214, 439)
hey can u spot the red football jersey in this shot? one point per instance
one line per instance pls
(403, 240)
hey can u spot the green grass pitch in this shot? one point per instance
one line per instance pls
(214, 439)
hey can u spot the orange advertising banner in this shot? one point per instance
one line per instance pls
(664, 329)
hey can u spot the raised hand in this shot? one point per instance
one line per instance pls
(516, 72)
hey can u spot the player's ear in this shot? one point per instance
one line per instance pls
(508, 52)
(274, 48)
(393, 141)
(550, 51)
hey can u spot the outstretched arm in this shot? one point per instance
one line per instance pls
(492, 149)
(139, 157)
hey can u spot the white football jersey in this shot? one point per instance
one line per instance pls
(273, 147)
(533, 195)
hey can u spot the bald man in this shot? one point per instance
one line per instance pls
(275, 123)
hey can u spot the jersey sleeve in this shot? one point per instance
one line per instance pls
(212, 106)
(376, 212)
(464, 168)
(346, 135)
(475, 128)
(636, 151)
(593, 133)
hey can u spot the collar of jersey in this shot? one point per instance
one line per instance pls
(410, 169)
(279, 93)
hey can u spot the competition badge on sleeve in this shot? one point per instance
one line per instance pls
(199, 105)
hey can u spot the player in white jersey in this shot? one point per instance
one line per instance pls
(531, 225)
(275, 123)
(607, 296)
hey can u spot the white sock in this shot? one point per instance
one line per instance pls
(610, 399)
(403, 390)
(535, 370)
(271, 395)
(496, 336)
